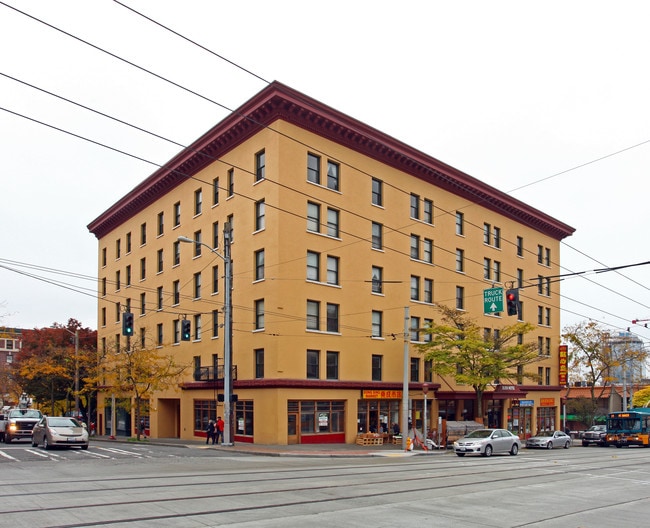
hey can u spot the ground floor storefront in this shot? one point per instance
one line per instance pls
(283, 416)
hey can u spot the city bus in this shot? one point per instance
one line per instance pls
(628, 428)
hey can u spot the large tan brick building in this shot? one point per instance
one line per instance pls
(337, 228)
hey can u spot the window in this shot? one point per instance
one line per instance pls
(177, 253)
(197, 285)
(332, 365)
(547, 377)
(313, 364)
(520, 246)
(428, 323)
(415, 288)
(332, 223)
(230, 227)
(377, 324)
(143, 234)
(159, 334)
(377, 279)
(197, 243)
(177, 214)
(460, 223)
(117, 281)
(313, 266)
(415, 329)
(496, 237)
(427, 251)
(428, 291)
(215, 279)
(161, 223)
(415, 369)
(547, 256)
(231, 182)
(260, 211)
(415, 247)
(427, 211)
(313, 217)
(332, 317)
(415, 206)
(540, 254)
(118, 250)
(497, 271)
(313, 168)
(143, 268)
(333, 179)
(377, 236)
(215, 323)
(460, 298)
(159, 296)
(547, 346)
(160, 260)
(376, 367)
(197, 327)
(487, 234)
(176, 292)
(313, 315)
(143, 303)
(259, 314)
(215, 235)
(259, 363)
(260, 166)
(198, 202)
(103, 286)
(487, 268)
(460, 260)
(332, 270)
(259, 264)
(547, 316)
(177, 331)
(377, 192)
(103, 256)
(128, 242)
(540, 315)
(520, 278)
(215, 191)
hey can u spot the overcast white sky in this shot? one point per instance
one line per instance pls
(513, 93)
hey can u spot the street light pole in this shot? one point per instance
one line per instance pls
(227, 343)
(76, 370)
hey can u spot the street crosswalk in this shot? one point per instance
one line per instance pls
(25, 453)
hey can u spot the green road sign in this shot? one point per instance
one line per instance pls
(493, 300)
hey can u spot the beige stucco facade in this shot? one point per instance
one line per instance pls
(268, 390)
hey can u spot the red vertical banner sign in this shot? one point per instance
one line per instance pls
(563, 358)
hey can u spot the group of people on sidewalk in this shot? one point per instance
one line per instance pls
(214, 431)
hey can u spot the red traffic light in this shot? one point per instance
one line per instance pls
(510, 296)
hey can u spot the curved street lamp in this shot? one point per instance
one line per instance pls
(227, 344)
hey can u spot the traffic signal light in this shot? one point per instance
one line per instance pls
(127, 324)
(512, 302)
(186, 330)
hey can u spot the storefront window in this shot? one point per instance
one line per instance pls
(244, 418)
(545, 419)
(319, 416)
(204, 411)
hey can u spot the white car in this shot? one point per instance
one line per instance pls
(549, 441)
(486, 442)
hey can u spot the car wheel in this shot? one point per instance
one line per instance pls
(34, 442)
(84, 447)
(567, 445)
(46, 444)
(514, 450)
(7, 439)
(460, 454)
(549, 445)
(585, 444)
(488, 451)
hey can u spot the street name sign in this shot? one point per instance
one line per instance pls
(493, 300)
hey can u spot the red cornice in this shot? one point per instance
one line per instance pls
(278, 101)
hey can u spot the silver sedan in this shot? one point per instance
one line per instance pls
(487, 441)
(550, 440)
(60, 431)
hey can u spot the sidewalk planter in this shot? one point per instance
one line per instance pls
(370, 439)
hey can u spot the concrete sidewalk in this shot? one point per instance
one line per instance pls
(301, 450)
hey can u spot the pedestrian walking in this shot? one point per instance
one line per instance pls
(142, 428)
(219, 430)
(210, 432)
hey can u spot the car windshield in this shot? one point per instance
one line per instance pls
(63, 422)
(480, 433)
(25, 413)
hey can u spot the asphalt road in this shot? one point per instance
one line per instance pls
(163, 486)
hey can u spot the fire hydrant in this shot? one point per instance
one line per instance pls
(409, 444)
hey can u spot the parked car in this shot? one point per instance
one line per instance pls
(596, 434)
(486, 442)
(60, 431)
(550, 440)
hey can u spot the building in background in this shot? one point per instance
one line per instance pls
(10, 344)
(336, 229)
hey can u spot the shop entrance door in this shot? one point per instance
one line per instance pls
(293, 431)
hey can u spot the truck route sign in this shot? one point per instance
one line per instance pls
(493, 300)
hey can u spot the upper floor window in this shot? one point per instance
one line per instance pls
(161, 223)
(143, 234)
(128, 242)
(460, 223)
(332, 317)
(377, 236)
(520, 246)
(160, 261)
(313, 266)
(313, 364)
(313, 217)
(332, 222)
(427, 250)
(259, 314)
(177, 214)
(460, 298)
(376, 367)
(177, 253)
(313, 168)
(231, 182)
(427, 211)
(313, 315)
(415, 206)
(260, 166)
(197, 285)
(415, 247)
(377, 279)
(198, 202)
(415, 369)
(377, 330)
(377, 192)
(259, 264)
(460, 260)
(260, 215)
(215, 191)
(333, 176)
(197, 243)
(496, 237)
(332, 365)
(118, 248)
(259, 363)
